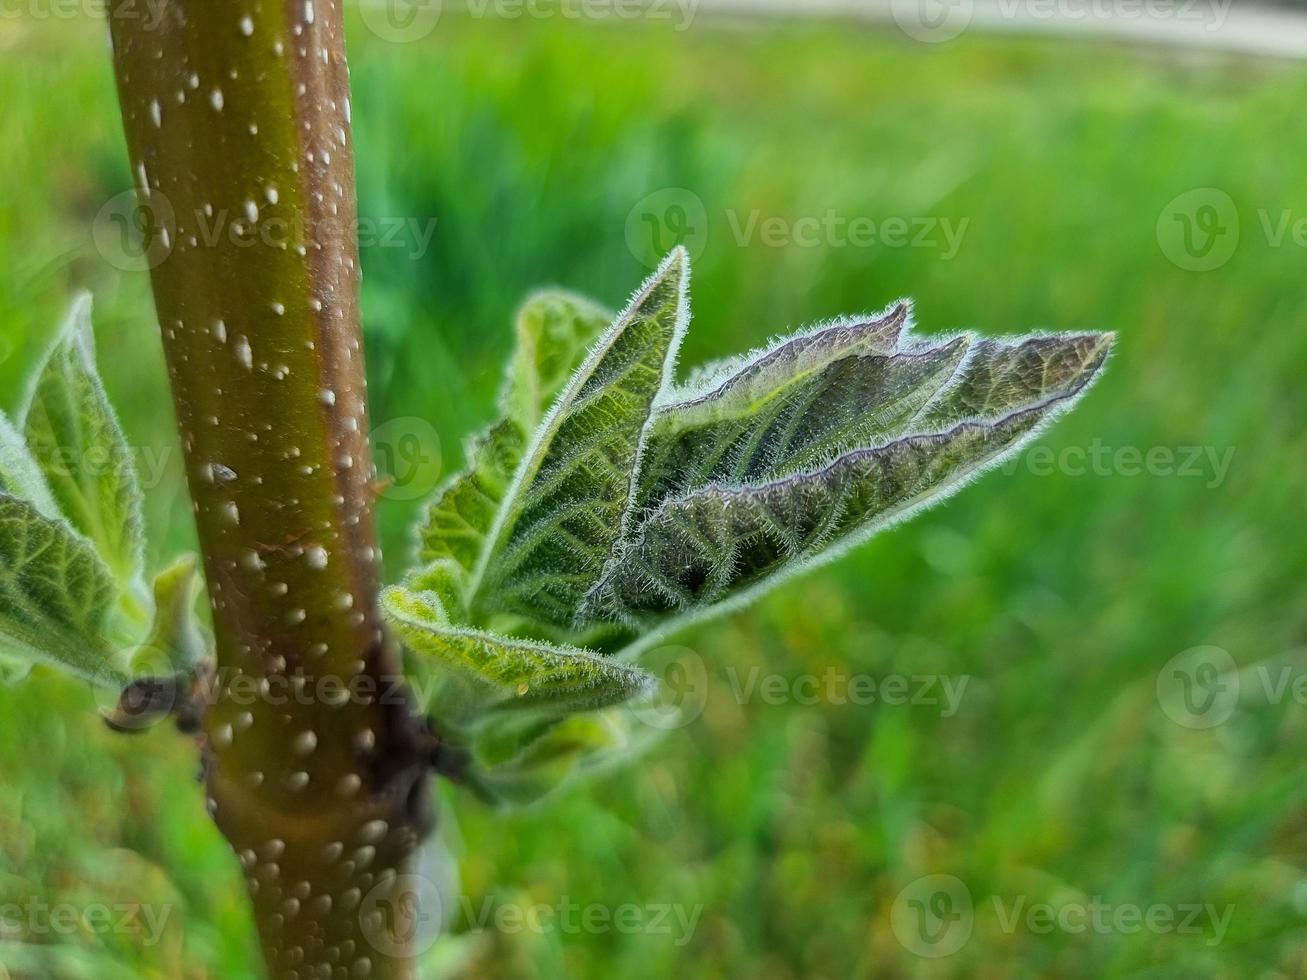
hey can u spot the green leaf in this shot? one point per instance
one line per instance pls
(558, 522)
(505, 672)
(554, 330)
(20, 476)
(445, 578)
(72, 431)
(631, 508)
(55, 595)
(726, 544)
(518, 765)
(745, 498)
(554, 333)
(1003, 376)
(734, 384)
(175, 637)
(13, 669)
(820, 398)
(460, 517)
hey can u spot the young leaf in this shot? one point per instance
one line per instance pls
(13, 669)
(459, 519)
(515, 767)
(554, 331)
(20, 476)
(1003, 376)
(445, 578)
(732, 386)
(55, 594)
(851, 401)
(175, 637)
(564, 511)
(507, 672)
(722, 543)
(74, 435)
(634, 510)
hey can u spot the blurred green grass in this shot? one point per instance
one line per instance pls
(1060, 596)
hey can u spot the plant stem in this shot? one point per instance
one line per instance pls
(237, 117)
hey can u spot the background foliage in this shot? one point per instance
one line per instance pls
(1060, 596)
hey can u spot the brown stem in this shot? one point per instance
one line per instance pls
(237, 117)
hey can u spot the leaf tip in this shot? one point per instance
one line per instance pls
(77, 330)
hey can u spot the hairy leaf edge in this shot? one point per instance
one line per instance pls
(539, 441)
(394, 599)
(1053, 409)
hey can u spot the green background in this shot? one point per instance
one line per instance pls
(1060, 594)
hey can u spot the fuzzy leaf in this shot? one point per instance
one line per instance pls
(20, 476)
(518, 765)
(554, 333)
(632, 510)
(722, 543)
(831, 397)
(13, 669)
(560, 519)
(554, 330)
(720, 525)
(55, 594)
(731, 385)
(444, 577)
(1003, 376)
(175, 637)
(506, 672)
(459, 518)
(72, 431)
